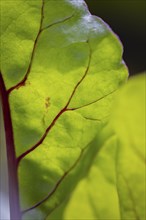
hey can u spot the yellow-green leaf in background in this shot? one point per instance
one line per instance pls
(114, 187)
(129, 124)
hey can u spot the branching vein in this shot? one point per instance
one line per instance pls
(22, 82)
(56, 185)
(41, 29)
(57, 116)
(93, 102)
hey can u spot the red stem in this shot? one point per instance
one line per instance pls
(15, 213)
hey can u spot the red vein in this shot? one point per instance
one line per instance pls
(57, 116)
(90, 103)
(56, 185)
(22, 82)
(81, 79)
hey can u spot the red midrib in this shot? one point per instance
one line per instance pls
(11, 156)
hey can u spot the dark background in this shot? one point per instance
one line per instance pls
(127, 18)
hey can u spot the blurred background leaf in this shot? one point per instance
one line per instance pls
(114, 186)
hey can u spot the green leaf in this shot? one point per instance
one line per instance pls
(114, 187)
(129, 123)
(61, 67)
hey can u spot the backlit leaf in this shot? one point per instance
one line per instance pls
(61, 67)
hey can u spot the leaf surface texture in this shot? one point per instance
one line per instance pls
(61, 67)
